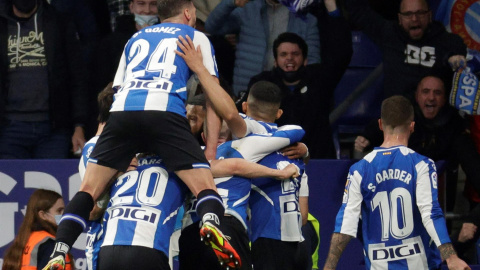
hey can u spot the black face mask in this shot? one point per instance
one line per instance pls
(290, 76)
(25, 6)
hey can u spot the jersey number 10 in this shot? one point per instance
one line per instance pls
(398, 204)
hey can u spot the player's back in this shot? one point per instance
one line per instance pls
(143, 207)
(399, 192)
(275, 203)
(151, 76)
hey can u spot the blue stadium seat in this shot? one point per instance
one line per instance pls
(366, 57)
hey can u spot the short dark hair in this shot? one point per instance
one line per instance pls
(290, 38)
(264, 98)
(266, 91)
(397, 111)
(105, 100)
(198, 100)
(171, 8)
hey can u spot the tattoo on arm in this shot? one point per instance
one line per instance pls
(337, 246)
(446, 250)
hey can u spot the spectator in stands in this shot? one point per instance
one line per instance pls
(308, 89)
(204, 7)
(35, 240)
(42, 83)
(440, 134)
(411, 47)
(258, 23)
(143, 13)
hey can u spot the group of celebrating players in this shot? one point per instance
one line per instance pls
(146, 192)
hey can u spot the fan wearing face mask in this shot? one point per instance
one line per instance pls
(143, 13)
(35, 240)
(307, 89)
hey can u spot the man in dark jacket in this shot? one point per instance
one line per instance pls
(411, 46)
(308, 89)
(42, 83)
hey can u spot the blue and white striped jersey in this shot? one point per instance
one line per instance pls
(274, 204)
(95, 228)
(395, 192)
(94, 242)
(262, 139)
(150, 76)
(87, 150)
(143, 207)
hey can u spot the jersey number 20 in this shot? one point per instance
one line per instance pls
(150, 189)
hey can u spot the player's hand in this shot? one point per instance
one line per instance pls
(78, 140)
(457, 61)
(296, 150)
(361, 143)
(57, 263)
(193, 57)
(290, 171)
(241, 3)
(455, 263)
(467, 232)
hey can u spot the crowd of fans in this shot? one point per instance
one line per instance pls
(57, 55)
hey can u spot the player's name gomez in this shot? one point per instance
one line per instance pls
(392, 174)
(162, 29)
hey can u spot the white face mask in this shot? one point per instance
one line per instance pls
(146, 20)
(57, 218)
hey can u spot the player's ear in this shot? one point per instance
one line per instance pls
(203, 137)
(244, 107)
(279, 113)
(187, 14)
(380, 124)
(412, 127)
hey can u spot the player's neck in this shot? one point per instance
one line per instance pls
(176, 19)
(395, 139)
(259, 117)
(100, 128)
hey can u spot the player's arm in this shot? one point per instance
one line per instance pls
(346, 224)
(241, 167)
(337, 246)
(221, 101)
(432, 215)
(303, 202)
(303, 198)
(450, 256)
(213, 126)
